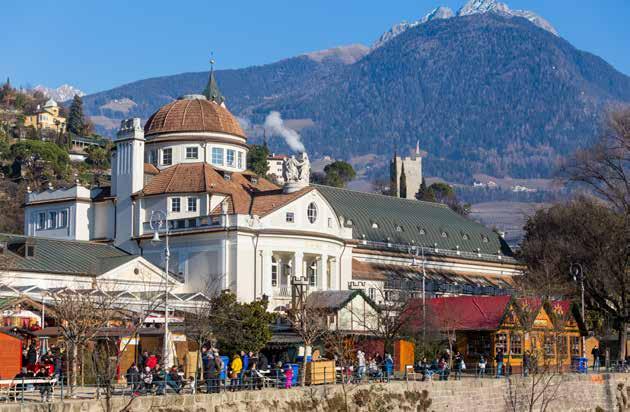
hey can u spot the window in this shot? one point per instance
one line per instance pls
(548, 345)
(444, 234)
(41, 220)
(230, 157)
(63, 218)
(500, 342)
(516, 343)
(465, 236)
(372, 294)
(399, 228)
(311, 212)
(167, 156)
(52, 220)
(561, 342)
(575, 345)
(217, 156)
(484, 238)
(274, 272)
(176, 204)
(192, 204)
(290, 217)
(421, 231)
(240, 160)
(30, 251)
(330, 222)
(374, 225)
(192, 153)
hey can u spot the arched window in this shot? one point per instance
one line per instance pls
(311, 212)
(274, 272)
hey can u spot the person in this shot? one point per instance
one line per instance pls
(45, 387)
(373, 369)
(173, 380)
(210, 375)
(147, 379)
(244, 369)
(499, 360)
(443, 369)
(235, 371)
(596, 354)
(151, 361)
(159, 379)
(23, 374)
(482, 366)
(526, 363)
(288, 376)
(360, 365)
(133, 378)
(389, 366)
(459, 365)
(31, 356)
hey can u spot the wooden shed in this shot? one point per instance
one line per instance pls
(10, 355)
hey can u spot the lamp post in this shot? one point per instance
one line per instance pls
(578, 275)
(159, 219)
(424, 276)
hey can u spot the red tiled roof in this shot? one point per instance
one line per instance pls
(463, 312)
(150, 169)
(193, 115)
(244, 196)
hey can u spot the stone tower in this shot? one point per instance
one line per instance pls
(411, 168)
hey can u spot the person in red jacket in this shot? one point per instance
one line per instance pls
(151, 361)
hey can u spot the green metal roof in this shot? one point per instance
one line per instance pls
(391, 222)
(61, 256)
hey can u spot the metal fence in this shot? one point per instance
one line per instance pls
(33, 390)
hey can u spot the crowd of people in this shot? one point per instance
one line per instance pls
(149, 376)
(41, 367)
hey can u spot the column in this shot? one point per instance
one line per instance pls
(265, 273)
(334, 284)
(321, 272)
(298, 265)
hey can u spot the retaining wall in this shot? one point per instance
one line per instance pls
(574, 393)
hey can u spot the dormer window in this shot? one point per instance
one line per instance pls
(374, 225)
(484, 238)
(444, 234)
(30, 251)
(464, 236)
(421, 231)
(399, 228)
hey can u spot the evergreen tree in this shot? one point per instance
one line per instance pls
(403, 183)
(338, 174)
(76, 120)
(257, 159)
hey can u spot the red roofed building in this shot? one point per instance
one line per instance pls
(485, 325)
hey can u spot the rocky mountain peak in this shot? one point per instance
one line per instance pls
(61, 93)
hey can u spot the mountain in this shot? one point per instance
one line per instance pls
(488, 93)
(60, 94)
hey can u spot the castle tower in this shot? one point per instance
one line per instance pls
(127, 179)
(408, 171)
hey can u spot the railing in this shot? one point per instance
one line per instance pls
(176, 225)
(282, 292)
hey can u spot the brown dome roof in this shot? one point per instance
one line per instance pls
(193, 113)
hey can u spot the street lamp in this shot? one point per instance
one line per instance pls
(414, 262)
(159, 219)
(578, 275)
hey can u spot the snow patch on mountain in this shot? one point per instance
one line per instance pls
(470, 8)
(61, 93)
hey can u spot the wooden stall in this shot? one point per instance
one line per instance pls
(485, 325)
(10, 355)
(318, 372)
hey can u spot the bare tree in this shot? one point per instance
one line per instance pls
(80, 314)
(605, 167)
(310, 324)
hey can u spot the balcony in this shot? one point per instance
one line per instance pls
(179, 225)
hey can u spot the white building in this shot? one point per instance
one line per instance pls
(232, 229)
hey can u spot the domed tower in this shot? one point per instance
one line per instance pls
(196, 128)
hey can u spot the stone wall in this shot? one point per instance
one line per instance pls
(574, 393)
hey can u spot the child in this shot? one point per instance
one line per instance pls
(482, 367)
(288, 376)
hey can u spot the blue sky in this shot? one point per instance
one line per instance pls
(99, 45)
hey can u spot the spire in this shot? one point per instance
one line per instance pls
(417, 147)
(212, 91)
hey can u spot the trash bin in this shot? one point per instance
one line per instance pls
(226, 364)
(579, 364)
(296, 372)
